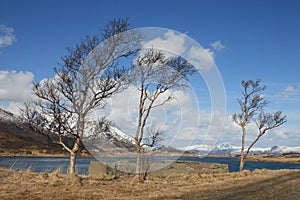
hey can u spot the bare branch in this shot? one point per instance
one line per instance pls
(250, 103)
(154, 136)
(266, 122)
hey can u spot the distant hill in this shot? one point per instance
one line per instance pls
(17, 137)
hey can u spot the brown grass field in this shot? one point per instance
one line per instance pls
(259, 184)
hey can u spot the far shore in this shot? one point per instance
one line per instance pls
(277, 158)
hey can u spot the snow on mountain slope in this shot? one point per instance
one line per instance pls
(232, 149)
(8, 116)
(196, 148)
(120, 135)
(284, 149)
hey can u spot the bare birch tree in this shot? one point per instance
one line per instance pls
(153, 74)
(251, 109)
(86, 77)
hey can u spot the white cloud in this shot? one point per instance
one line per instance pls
(290, 93)
(15, 88)
(217, 45)
(7, 36)
(171, 43)
(281, 133)
(201, 58)
(14, 107)
(179, 44)
(290, 90)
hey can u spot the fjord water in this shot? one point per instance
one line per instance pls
(45, 164)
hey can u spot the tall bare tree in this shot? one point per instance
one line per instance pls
(86, 77)
(153, 74)
(251, 109)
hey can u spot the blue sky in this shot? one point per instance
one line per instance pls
(260, 39)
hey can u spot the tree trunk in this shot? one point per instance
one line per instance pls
(72, 162)
(141, 167)
(73, 155)
(242, 162)
(73, 152)
(138, 158)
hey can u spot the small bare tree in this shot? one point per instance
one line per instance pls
(266, 122)
(154, 136)
(153, 74)
(87, 76)
(251, 106)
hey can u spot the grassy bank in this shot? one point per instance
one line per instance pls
(29, 185)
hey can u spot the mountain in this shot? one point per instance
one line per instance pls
(120, 135)
(18, 137)
(112, 141)
(167, 149)
(284, 150)
(227, 148)
(8, 116)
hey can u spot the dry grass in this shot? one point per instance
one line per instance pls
(29, 185)
(260, 158)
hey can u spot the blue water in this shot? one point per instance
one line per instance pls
(234, 163)
(42, 164)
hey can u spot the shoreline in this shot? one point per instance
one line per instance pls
(254, 158)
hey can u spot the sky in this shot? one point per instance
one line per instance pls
(245, 39)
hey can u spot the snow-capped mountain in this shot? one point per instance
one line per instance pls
(9, 117)
(205, 149)
(111, 141)
(284, 149)
(120, 135)
(235, 150)
(197, 148)
(13, 126)
(225, 148)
